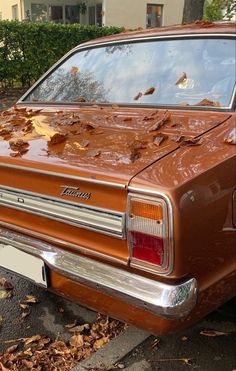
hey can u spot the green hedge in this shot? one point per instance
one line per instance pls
(27, 50)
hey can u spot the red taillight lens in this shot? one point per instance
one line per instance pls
(149, 233)
(147, 248)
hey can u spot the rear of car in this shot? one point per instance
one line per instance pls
(117, 180)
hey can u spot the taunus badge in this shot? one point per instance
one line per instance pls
(74, 192)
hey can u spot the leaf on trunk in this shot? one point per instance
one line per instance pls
(192, 142)
(160, 122)
(231, 137)
(58, 138)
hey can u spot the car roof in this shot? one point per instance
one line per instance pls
(199, 27)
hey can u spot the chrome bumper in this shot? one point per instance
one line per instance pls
(169, 301)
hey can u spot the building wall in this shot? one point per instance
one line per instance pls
(132, 13)
(6, 8)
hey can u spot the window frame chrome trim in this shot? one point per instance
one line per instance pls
(171, 301)
(136, 39)
(58, 202)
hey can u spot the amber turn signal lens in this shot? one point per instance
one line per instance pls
(146, 210)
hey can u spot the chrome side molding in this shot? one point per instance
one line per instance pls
(169, 301)
(99, 220)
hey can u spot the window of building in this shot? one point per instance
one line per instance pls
(99, 15)
(72, 14)
(38, 12)
(91, 14)
(154, 15)
(55, 13)
(14, 9)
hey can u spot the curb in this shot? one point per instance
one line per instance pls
(115, 350)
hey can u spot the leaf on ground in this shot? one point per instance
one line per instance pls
(77, 341)
(5, 284)
(32, 339)
(213, 333)
(30, 299)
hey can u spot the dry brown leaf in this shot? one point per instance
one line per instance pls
(12, 348)
(208, 103)
(32, 339)
(99, 343)
(74, 71)
(58, 138)
(149, 91)
(159, 138)
(5, 284)
(94, 153)
(31, 299)
(3, 368)
(138, 96)
(231, 137)
(77, 341)
(192, 142)
(115, 106)
(182, 79)
(160, 122)
(213, 333)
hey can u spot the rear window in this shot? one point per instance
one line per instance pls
(160, 72)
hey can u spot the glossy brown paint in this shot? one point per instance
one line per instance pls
(199, 181)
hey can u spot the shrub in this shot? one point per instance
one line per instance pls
(27, 50)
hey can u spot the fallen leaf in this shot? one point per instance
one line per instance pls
(31, 299)
(231, 137)
(160, 122)
(100, 343)
(115, 106)
(58, 139)
(182, 79)
(138, 96)
(32, 339)
(149, 91)
(12, 348)
(192, 142)
(213, 333)
(159, 138)
(94, 153)
(208, 103)
(74, 71)
(77, 341)
(5, 284)
(4, 368)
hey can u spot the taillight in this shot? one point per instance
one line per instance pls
(149, 233)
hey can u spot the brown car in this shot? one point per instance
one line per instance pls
(118, 176)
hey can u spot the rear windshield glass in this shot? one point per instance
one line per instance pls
(167, 72)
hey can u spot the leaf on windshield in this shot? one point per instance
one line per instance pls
(79, 99)
(208, 102)
(149, 91)
(74, 71)
(182, 79)
(138, 96)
